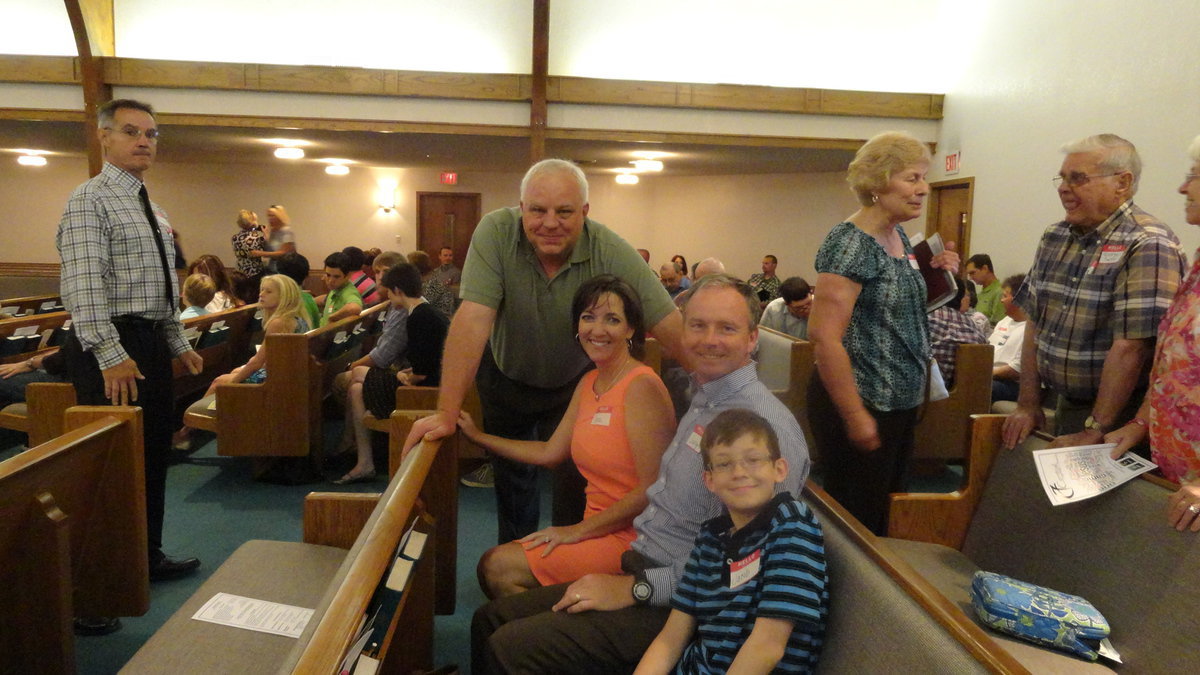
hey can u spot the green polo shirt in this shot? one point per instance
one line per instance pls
(338, 299)
(533, 339)
(989, 302)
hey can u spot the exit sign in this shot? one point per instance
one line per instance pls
(953, 161)
(448, 178)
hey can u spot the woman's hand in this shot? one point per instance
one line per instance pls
(863, 431)
(405, 377)
(947, 259)
(550, 537)
(467, 425)
(1183, 508)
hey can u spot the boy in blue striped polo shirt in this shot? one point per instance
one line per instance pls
(754, 592)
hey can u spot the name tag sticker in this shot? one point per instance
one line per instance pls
(745, 569)
(603, 416)
(1111, 253)
(912, 262)
(693, 440)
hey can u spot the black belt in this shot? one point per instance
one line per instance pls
(138, 322)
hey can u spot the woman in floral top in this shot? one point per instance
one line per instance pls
(1170, 414)
(870, 332)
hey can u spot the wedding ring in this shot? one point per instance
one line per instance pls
(546, 539)
(577, 598)
(1194, 509)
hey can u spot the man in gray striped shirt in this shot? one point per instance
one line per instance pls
(603, 622)
(122, 294)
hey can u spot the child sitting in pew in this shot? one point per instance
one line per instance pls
(279, 298)
(198, 291)
(754, 593)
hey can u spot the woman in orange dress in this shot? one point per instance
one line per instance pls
(618, 424)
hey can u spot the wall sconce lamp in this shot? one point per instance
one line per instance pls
(387, 196)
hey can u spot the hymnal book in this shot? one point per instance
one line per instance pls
(939, 283)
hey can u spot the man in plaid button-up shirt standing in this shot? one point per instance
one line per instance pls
(122, 295)
(1099, 286)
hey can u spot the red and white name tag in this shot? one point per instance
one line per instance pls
(693, 440)
(1111, 253)
(912, 262)
(603, 416)
(744, 570)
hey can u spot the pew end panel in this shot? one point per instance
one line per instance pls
(944, 518)
(944, 429)
(73, 535)
(337, 518)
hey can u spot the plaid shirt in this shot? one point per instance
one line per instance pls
(761, 282)
(949, 328)
(111, 266)
(1084, 291)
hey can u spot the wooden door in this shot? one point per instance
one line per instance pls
(950, 212)
(447, 219)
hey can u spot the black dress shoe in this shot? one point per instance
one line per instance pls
(163, 568)
(96, 625)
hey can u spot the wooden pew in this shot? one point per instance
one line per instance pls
(1115, 549)
(45, 326)
(40, 415)
(282, 416)
(339, 584)
(72, 537)
(30, 304)
(944, 429)
(785, 366)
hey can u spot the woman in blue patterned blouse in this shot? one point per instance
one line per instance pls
(870, 330)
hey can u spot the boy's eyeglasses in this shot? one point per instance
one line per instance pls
(747, 463)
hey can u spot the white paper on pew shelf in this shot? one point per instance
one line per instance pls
(25, 331)
(401, 570)
(251, 614)
(1074, 474)
(216, 326)
(366, 665)
(359, 644)
(416, 544)
(13, 311)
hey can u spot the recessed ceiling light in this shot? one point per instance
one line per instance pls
(289, 153)
(31, 160)
(647, 165)
(337, 169)
(627, 179)
(336, 160)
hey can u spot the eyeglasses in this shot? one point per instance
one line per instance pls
(1189, 177)
(752, 463)
(1080, 179)
(134, 133)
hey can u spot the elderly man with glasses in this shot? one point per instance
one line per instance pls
(1100, 283)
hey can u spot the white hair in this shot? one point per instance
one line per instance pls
(556, 166)
(1119, 155)
(1194, 150)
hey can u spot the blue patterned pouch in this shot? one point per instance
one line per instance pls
(1038, 614)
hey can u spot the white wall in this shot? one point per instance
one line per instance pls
(1045, 73)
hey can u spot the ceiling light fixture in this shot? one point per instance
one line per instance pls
(337, 169)
(31, 160)
(647, 165)
(289, 153)
(627, 179)
(651, 154)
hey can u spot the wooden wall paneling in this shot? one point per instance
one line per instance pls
(39, 69)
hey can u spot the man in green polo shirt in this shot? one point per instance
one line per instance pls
(343, 299)
(514, 334)
(980, 271)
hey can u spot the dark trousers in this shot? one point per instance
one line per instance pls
(1005, 390)
(519, 634)
(512, 409)
(859, 480)
(146, 345)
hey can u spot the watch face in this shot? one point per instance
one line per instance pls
(642, 591)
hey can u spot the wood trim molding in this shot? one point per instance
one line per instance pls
(335, 124)
(707, 139)
(475, 86)
(40, 69)
(41, 115)
(29, 269)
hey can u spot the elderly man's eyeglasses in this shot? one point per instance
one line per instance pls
(133, 133)
(1189, 177)
(1080, 179)
(751, 464)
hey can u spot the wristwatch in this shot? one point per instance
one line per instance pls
(1093, 425)
(642, 590)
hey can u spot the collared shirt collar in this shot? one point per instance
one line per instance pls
(715, 392)
(721, 525)
(1102, 230)
(121, 177)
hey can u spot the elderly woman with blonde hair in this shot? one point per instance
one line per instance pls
(1170, 413)
(248, 247)
(870, 331)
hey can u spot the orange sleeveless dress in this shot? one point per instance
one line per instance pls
(600, 448)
